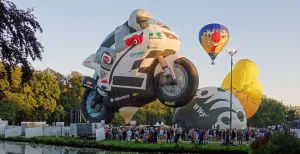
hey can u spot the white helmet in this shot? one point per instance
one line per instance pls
(137, 17)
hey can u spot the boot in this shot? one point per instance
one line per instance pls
(103, 86)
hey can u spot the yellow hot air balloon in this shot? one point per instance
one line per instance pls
(245, 85)
(127, 113)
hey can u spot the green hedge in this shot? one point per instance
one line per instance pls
(132, 146)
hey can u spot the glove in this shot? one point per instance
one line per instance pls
(135, 39)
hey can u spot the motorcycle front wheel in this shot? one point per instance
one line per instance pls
(98, 112)
(183, 92)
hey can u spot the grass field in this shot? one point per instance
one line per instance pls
(132, 146)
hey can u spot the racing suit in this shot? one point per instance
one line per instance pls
(103, 60)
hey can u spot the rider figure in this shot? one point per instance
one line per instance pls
(104, 59)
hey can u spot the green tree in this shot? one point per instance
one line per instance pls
(20, 95)
(75, 89)
(271, 112)
(155, 111)
(7, 110)
(118, 120)
(140, 116)
(17, 39)
(71, 91)
(293, 112)
(291, 115)
(46, 92)
(58, 113)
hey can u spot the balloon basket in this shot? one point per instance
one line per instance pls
(213, 63)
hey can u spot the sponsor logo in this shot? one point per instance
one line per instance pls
(106, 59)
(102, 74)
(151, 47)
(119, 98)
(157, 35)
(135, 94)
(89, 82)
(170, 103)
(200, 111)
(137, 54)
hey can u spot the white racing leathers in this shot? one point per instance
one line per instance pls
(103, 60)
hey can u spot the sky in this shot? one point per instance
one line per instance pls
(266, 32)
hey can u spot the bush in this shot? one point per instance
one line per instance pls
(284, 143)
(279, 143)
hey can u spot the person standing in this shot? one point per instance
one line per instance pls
(124, 135)
(183, 133)
(129, 135)
(155, 136)
(200, 137)
(240, 137)
(169, 136)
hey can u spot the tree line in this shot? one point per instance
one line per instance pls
(50, 96)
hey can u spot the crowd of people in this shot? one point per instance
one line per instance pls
(173, 135)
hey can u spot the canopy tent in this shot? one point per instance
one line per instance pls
(162, 123)
(157, 124)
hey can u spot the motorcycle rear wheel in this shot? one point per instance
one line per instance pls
(186, 88)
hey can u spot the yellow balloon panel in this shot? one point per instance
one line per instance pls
(246, 86)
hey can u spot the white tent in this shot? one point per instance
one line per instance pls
(157, 124)
(162, 123)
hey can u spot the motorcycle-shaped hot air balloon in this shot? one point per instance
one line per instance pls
(213, 38)
(141, 74)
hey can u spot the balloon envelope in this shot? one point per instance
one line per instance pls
(213, 38)
(210, 108)
(245, 85)
(127, 113)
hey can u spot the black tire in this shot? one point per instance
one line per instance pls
(191, 87)
(104, 114)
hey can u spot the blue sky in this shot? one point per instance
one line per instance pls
(266, 32)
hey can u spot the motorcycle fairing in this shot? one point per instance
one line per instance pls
(89, 82)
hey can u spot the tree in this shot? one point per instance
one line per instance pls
(71, 91)
(271, 112)
(140, 116)
(291, 115)
(293, 112)
(118, 120)
(17, 39)
(152, 112)
(58, 113)
(7, 110)
(46, 92)
(21, 96)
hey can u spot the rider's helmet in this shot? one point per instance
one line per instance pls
(137, 17)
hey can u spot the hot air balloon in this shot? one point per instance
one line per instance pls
(245, 85)
(213, 38)
(127, 113)
(210, 108)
